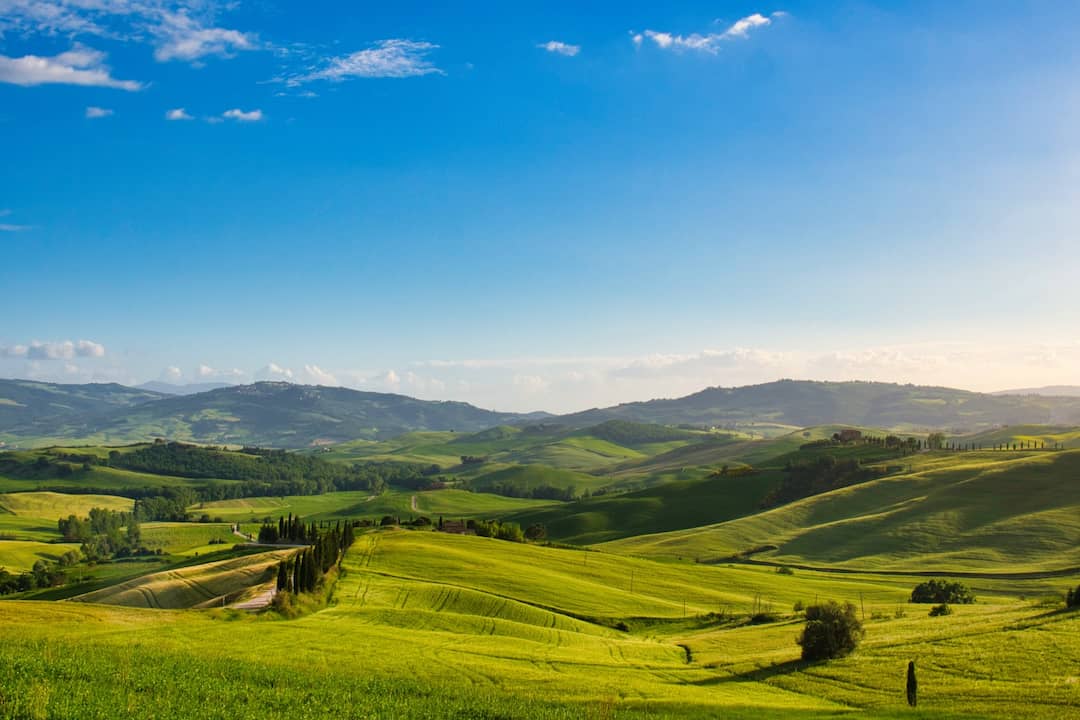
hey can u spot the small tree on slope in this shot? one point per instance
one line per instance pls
(832, 631)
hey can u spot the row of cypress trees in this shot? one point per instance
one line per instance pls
(303, 571)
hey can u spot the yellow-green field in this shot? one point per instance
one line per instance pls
(205, 585)
(20, 555)
(995, 512)
(358, 505)
(53, 505)
(428, 625)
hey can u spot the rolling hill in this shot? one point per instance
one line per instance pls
(805, 403)
(294, 416)
(40, 408)
(266, 413)
(965, 511)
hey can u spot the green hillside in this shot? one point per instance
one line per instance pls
(41, 408)
(669, 506)
(806, 403)
(206, 585)
(1064, 435)
(430, 625)
(1004, 512)
(267, 413)
(362, 505)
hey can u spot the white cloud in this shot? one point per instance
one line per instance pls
(242, 116)
(205, 372)
(395, 58)
(273, 371)
(87, 348)
(172, 374)
(78, 66)
(93, 112)
(709, 42)
(178, 29)
(9, 227)
(182, 37)
(560, 48)
(315, 375)
(177, 114)
(59, 350)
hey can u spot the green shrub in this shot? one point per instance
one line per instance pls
(942, 591)
(832, 630)
(940, 610)
(1072, 598)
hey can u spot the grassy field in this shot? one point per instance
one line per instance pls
(53, 506)
(1067, 435)
(204, 585)
(360, 505)
(1001, 512)
(20, 555)
(668, 506)
(434, 626)
(187, 539)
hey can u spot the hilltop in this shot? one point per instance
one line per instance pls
(804, 403)
(280, 414)
(274, 414)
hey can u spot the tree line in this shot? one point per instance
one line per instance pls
(818, 476)
(303, 572)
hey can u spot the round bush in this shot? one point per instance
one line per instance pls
(832, 630)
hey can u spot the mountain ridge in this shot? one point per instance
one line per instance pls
(290, 415)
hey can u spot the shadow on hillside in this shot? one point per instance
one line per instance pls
(760, 674)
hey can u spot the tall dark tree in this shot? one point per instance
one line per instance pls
(912, 685)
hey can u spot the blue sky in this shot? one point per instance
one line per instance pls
(550, 206)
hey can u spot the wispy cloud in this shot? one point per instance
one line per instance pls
(560, 48)
(394, 58)
(708, 42)
(242, 115)
(61, 350)
(177, 114)
(93, 112)
(184, 30)
(78, 66)
(9, 227)
(182, 37)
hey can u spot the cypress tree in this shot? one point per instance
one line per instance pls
(282, 577)
(912, 685)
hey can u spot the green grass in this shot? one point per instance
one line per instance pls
(205, 585)
(362, 505)
(434, 626)
(1067, 435)
(20, 555)
(1003, 512)
(530, 477)
(187, 539)
(668, 506)
(53, 506)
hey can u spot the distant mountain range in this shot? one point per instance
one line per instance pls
(287, 415)
(1048, 391)
(805, 403)
(174, 389)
